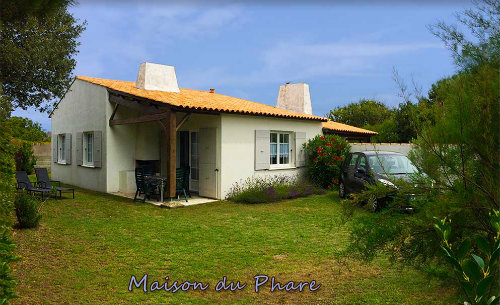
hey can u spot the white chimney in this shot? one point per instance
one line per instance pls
(157, 77)
(295, 97)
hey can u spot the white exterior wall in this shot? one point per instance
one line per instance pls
(81, 110)
(120, 141)
(126, 144)
(238, 145)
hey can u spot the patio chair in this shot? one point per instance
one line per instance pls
(43, 180)
(24, 183)
(181, 181)
(144, 187)
(187, 172)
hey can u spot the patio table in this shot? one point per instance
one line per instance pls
(161, 180)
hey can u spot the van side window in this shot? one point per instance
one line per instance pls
(354, 158)
(362, 161)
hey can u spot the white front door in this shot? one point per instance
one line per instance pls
(207, 145)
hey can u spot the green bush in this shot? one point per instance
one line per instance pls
(25, 158)
(475, 267)
(271, 189)
(325, 155)
(27, 211)
(7, 193)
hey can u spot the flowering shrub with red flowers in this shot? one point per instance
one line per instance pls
(325, 155)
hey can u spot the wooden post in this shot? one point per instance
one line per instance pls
(168, 151)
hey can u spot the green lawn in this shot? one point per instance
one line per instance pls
(86, 249)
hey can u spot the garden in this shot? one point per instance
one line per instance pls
(85, 250)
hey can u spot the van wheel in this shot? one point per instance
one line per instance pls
(374, 204)
(342, 190)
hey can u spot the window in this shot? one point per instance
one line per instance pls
(354, 158)
(362, 162)
(194, 156)
(391, 164)
(280, 149)
(88, 148)
(61, 149)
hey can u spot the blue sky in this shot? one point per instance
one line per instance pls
(344, 52)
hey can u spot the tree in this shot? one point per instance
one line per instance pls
(7, 194)
(482, 42)
(362, 113)
(458, 149)
(387, 132)
(27, 130)
(18, 9)
(37, 45)
(405, 126)
(37, 57)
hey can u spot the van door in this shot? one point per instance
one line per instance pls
(349, 179)
(359, 179)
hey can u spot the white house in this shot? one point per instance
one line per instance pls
(103, 129)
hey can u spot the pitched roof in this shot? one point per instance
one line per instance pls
(200, 100)
(331, 125)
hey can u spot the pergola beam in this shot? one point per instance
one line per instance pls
(183, 120)
(114, 111)
(140, 119)
(169, 149)
(134, 104)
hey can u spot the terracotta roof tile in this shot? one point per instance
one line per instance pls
(346, 128)
(200, 100)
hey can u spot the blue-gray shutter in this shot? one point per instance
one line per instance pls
(97, 148)
(300, 152)
(67, 148)
(79, 148)
(262, 149)
(54, 148)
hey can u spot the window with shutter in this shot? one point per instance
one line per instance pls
(88, 149)
(61, 148)
(280, 149)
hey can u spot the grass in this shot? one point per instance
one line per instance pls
(86, 249)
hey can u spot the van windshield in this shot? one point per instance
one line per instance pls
(391, 164)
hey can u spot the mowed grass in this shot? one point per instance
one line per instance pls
(86, 250)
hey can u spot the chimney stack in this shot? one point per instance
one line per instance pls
(157, 77)
(295, 97)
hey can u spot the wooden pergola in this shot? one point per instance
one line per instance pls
(153, 111)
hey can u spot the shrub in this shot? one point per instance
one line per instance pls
(25, 157)
(271, 189)
(325, 155)
(27, 211)
(7, 193)
(475, 267)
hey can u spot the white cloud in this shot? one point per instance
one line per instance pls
(187, 22)
(288, 61)
(128, 36)
(313, 60)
